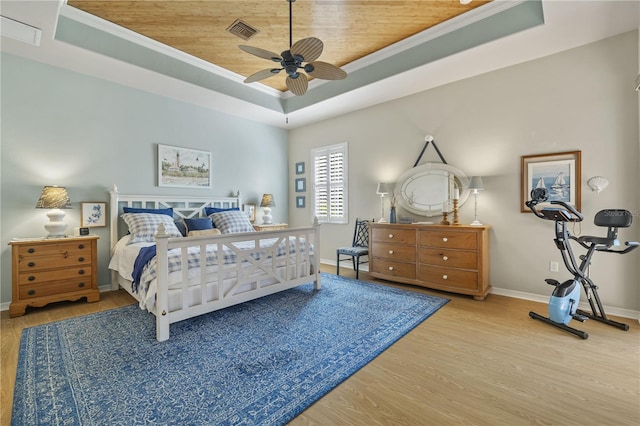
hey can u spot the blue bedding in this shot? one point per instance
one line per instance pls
(144, 256)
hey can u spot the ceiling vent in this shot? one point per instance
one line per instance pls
(242, 29)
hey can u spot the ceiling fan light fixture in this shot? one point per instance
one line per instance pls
(306, 50)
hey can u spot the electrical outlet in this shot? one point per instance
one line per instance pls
(554, 266)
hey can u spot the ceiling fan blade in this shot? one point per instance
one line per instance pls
(261, 53)
(298, 86)
(309, 48)
(261, 75)
(325, 71)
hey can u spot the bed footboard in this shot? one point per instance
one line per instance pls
(257, 272)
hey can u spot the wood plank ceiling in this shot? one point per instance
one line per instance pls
(350, 29)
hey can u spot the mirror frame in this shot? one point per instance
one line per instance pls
(460, 180)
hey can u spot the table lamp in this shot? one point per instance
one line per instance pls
(54, 198)
(267, 202)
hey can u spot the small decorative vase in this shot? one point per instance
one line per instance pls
(392, 215)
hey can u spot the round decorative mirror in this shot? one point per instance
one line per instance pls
(424, 189)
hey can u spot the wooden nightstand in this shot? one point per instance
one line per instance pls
(52, 270)
(272, 227)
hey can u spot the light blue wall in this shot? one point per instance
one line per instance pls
(64, 128)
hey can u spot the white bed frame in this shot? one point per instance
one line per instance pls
(266, 278)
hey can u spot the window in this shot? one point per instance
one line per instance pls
(330, 183)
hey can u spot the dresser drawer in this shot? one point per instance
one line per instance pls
(455, 278)
(36, 277)
(394, 252)
(448, 239)
(448, 258)
(395, 269)
(53, 255)
(391, 235)
(55, 287)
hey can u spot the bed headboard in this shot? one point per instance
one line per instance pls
(183, 207)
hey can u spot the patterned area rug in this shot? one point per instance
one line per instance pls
(262, 362)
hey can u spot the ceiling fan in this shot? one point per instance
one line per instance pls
(305, 50)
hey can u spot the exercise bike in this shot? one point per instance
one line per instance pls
(563, 305)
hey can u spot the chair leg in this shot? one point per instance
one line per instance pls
(356, 265)
(338, 264)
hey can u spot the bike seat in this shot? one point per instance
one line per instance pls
(612, 219)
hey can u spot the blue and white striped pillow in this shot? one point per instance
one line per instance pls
(232, 221)
(144, 226)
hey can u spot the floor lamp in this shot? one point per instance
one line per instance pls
(383, 189)
(475, 185)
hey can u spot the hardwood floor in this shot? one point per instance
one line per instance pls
(475, 363)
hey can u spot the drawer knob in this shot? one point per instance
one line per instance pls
(81, 259)
(31, 278)
(390, 235)
(444, 277)
(445, 239)
(390, 251)
(81, 272)
(31, 250)
(80, 246)
(81, 285)
(445, 258)
(391, 268)
(32, 264)
(31, 292)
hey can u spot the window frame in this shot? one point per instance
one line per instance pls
(326, 151)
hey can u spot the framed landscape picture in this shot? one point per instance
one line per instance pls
(183, 167)
(559, 173)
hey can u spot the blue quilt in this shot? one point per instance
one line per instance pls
(144, 257)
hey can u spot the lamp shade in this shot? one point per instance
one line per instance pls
(267, 201)
(476, 183)
(385, 188)
(54, 197)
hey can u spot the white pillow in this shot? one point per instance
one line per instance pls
(144, 226)
(231, 222)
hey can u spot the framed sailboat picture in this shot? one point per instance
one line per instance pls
(559, 173)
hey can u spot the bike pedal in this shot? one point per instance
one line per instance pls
(552, 282)
(581, 318)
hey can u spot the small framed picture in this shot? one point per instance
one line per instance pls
(300, 168)
(301, 185)
(300, 201)
(250, 210)
(93, 214)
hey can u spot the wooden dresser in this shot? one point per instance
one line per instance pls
(53, 270)
(452, 258)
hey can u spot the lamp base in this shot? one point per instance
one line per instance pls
(267, 219)
(475, 223)
(56, 227)
(382, 220)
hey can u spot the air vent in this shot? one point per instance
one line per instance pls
(242, 29)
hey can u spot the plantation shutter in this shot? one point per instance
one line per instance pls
(330, 183)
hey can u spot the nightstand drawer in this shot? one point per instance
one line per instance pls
(35, 277)
(54, 288)
(35, 257)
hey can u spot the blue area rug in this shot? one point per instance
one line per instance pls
(262, 362)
